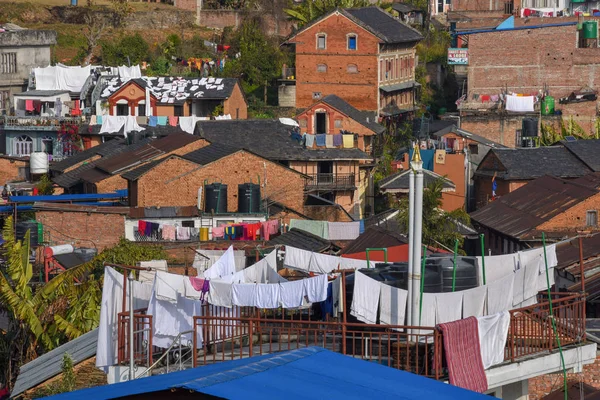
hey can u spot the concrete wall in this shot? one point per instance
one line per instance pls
(271, 22)
(286, 95)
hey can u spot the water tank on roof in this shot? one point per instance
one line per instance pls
(467, 272)
(38, 163)
(529, 127)
(248, 198)
(590, 30)
(86, 254)
(215, 198)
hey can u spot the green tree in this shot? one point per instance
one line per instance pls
(260, 58)
(129, 49)
(45, 186)
(65, 384)
(308, 11)
(439, 227)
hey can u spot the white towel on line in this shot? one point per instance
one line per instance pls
(448, 307)
(156, 265)
(315, 288)
(518, 286)
(244, 294)
(292, 294)
(344, 230)
(268, 295)
(297, 258)
(190, 291)
(323, 263)
(365, 298)
(427, 316)
(474, 301)
(224, 267)
(168, 285)
(500, 295)
(351, 263)
(392, 305)
(493, 331)
(220, 293)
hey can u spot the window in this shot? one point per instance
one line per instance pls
(178, 111)
(4, 100)
(321, 41)
(338, 123)
(321, 68)
(352, 69)
(47, 145)
(352, 42)
(473, 149)
(8, 63)
(591, 218)
(23, 145)
(316, 95)
(141, 110)
(302, 122)
(123, 109)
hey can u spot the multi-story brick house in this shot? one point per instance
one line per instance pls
(363, 55)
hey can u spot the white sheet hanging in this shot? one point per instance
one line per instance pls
(474, 301)
(268, 295)
(297, 258)
(351, 263)
(168, 285)
(344, 230)
(156, 265)
(497, 267)
(112, 123)
(323, 263)
(500, 295)
(392, 305)
(493, 331)
(292, 294)
(365, 298)
(61, 77)
(519, 285)
(224, 267)
(448, 307)
(188, 124)
(427, 313)
(220, 293)
(520, 103)
(244, 294)
(315, 288)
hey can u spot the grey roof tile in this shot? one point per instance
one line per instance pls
(102, 149)
(587, 151)
(367, 119)
(302, 240)
(383, 25)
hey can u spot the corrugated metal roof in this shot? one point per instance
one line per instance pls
(80, 208)
(590, 180)
(567, 254)
(163, 212)
(146, 152)
(302, 240)
(308, 373)
(399, 182)
(375, 237)
(48, 365)
(519, 213)
(211, 153)
(102, 149)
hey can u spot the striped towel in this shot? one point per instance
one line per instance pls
(463, 354)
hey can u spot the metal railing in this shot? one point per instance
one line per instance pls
(142, 337)
(330, 181)
(530, 331)
(39, 123)
(181, 353)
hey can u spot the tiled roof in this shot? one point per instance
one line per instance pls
(587, 151)
(375, 237)
(176, 90)
(211, 153)
(367, 119)
(531, 163)
(519, 213)
(102, 149)
(270, 139)
(383, 25)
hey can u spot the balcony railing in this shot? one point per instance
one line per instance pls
(331, 181)
(38, 123)
(288, 74)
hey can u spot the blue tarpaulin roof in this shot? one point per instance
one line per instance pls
(307, 373)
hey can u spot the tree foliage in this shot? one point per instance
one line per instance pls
(308, 11)
(45, 186)
(65, 384)
(132, 46)
(439, 227)
(260, 58)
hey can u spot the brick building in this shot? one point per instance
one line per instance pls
(175, 180)
(332, 115)
(103, 174)
(12, 168)
(180, 97)
(339, 175)
(513, 168)
(363, 55)
(558, 207)
(548, 57)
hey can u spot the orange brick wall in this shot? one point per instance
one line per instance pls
(236, 104)
(326, 213)
(82, 229)
(9, 169)
(543, 385)
(359, 89)
(573, 218)
(175, 182)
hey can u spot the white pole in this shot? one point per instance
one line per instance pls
(131, 356)
(417, 166)
(411, 224)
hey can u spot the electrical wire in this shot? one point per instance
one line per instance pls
(71, 237)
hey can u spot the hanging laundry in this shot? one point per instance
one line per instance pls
(493, 332)
(292, 294)
(463, 354)
(93, 120)
(168, 232)
(162, 121)
(351, 263)
(474, 301)
(142, 227)
(309, 141)
(427, 313)
(183, 233)
(448, 307)
(268, 295)
(365, 298)
(500, 295)
(218, 232)
(323, 263)
(348, 141)
(223, 268)
(297, 258)
(520, 103)
(152, 120)
(329, 141)
(173, 121)
(343, 230)
(244, 294)
(319, 228)
(193, 287)
(337, 140)
(155, 265)
(321, 140)
(315, 288)
(220, 293)
(392, 305)
(338, 297)
(168, 285)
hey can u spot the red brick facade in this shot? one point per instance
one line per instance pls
(543, 385)
(9, 169)
(83, 227)
(175, 182)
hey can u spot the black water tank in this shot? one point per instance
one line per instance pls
(32, 226)
(248, 198)
(529, 127)
(215, 198)
(467, 272)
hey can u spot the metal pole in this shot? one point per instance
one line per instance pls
(417, 232)
(482, 237)
(454, 267)
(411, 238)
(131, 357)
(581, 269)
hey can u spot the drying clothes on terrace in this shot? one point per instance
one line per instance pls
(343, 230)
(520, 103)
(223, 268)
(156, 265)
(318, 228)
(61, 77)
(365, 298)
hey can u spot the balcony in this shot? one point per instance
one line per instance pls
(38, 123)
(330, 181)
(288, 74)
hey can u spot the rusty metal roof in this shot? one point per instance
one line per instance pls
(80, 208)
(129, 159)
(590, 180)
(375, 236)
(519, 213)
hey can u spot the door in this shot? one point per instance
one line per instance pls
(325, 172)
(320, 122)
